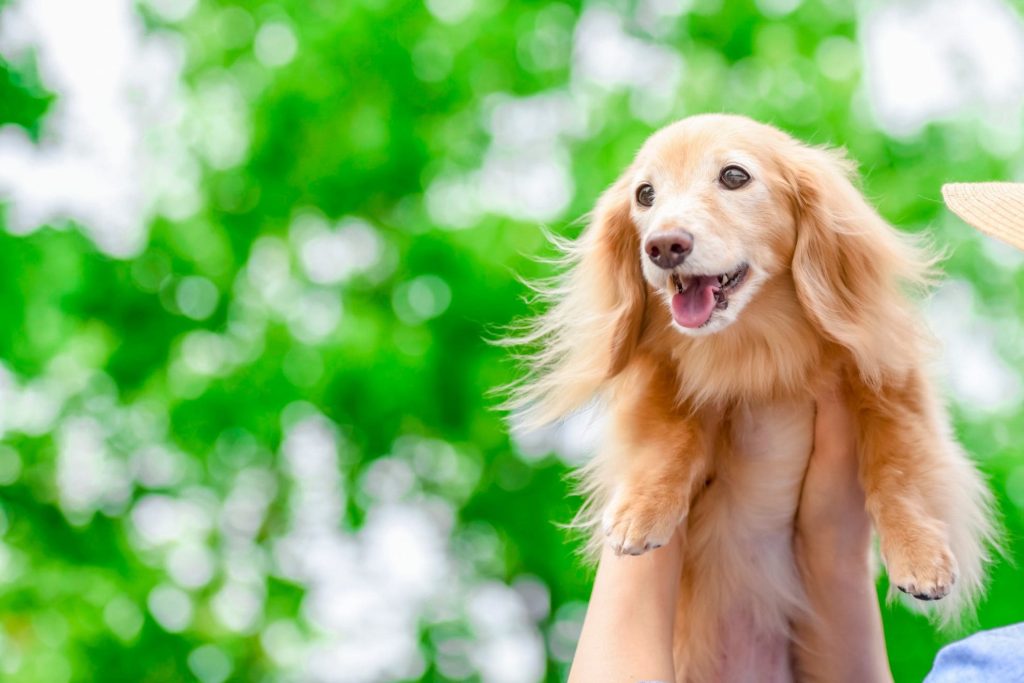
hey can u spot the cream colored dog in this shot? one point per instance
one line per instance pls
(729, 274)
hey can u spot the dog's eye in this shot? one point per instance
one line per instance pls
(645, 195)
(733, 177)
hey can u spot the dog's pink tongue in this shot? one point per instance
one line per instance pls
(694, 307)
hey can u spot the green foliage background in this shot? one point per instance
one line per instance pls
(381, 100)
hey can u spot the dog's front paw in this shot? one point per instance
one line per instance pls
(635, 523)
(922, 566)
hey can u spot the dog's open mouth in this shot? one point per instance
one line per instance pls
(697, 297)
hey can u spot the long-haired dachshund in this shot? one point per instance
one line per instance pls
(727, 276)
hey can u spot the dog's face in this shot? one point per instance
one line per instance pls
(723, 219)
(712, 220)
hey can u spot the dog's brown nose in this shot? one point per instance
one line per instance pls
(668, 249)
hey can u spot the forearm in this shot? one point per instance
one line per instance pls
(842, 640)
(627, 633)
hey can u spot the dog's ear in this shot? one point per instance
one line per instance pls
(853, 271)
(609, 273)
(595, 317)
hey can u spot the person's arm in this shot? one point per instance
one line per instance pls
(627, 633)
(843, 640)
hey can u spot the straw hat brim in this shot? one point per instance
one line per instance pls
(996, 209)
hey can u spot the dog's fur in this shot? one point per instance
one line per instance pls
(714, 426)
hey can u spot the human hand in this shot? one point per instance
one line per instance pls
(842, 638)
(628, 631)
(832, 523)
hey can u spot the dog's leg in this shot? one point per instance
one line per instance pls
(656, 456)
(901, 456)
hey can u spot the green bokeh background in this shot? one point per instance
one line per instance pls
(380, 102)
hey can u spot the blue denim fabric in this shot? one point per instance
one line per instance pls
(995, 656)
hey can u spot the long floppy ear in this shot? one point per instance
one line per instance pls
(854, 273)
(609, 273)
(595, 317)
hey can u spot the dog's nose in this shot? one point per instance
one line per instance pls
(668, 249)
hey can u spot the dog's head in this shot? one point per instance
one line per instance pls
(715, 207)
(733, 228)
(712, 223)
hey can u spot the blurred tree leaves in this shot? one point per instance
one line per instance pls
(381, 102)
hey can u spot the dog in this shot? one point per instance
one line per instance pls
(729, 275)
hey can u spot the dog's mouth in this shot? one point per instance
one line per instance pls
(697, 297)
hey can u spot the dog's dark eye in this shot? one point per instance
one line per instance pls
(645, 195)
(733, 177)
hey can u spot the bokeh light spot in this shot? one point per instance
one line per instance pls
(172, 10)
(210, 664)
(171, 607)
(421, 299)
(777, 8)
(450, 11)
(838, 58)
(196, 297)
(275, 44)
(123, 617)
(10, 465)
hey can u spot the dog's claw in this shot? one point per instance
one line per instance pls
(924, 569)
(635, 524)
(937, 592)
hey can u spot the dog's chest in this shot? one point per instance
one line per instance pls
(770, 445)
(742, 535)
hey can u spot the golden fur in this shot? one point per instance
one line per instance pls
(828, 298)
